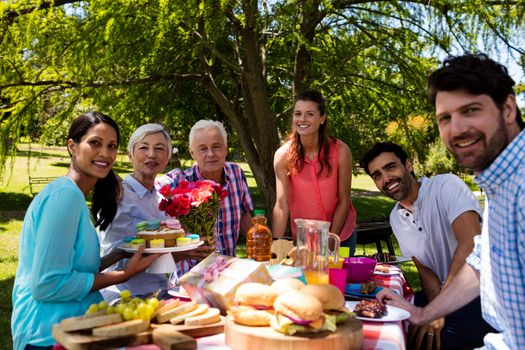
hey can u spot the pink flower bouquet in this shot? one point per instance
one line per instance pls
(195, 205)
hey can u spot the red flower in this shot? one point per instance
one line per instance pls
(195, 204)
(165, 190)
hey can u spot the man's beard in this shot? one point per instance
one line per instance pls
(493, 148)
(403, 187)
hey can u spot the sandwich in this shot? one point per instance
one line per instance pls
(254, 304)
(332, 300)
(298, 312)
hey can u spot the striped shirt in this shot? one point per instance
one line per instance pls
(499, 253)
(232, 207)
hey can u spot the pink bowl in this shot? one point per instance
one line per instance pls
(359, 269)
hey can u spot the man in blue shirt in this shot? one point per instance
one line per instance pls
(480, 123)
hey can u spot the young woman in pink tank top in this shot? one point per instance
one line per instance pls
(314, 173)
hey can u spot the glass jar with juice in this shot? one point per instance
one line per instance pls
(313, 249)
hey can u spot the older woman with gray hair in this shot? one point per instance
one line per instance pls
(149, 150)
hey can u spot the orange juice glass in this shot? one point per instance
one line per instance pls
(316, 277)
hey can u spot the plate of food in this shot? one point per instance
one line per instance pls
(362, 290)
(386, 270)
(132, 249)
(375, 311)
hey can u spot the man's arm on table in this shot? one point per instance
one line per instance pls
(462, 289)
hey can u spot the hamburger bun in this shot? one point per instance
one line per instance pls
(249, 316)
(254, 304)
(299, 306)
(298, 312)
(284, 285)
(329, 295)
(255, 294)
(331, 298)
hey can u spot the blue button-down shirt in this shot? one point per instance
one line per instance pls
(499, 253)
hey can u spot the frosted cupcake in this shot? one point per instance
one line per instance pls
(137, 242)
(183, 241)
(195, 238)
(126, 242)
(156, 243)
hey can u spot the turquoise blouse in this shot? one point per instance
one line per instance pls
(58, 257)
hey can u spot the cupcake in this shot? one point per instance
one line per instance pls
(183, 241)
(169, 236)
(137, 242)
(156, 243)
(126, 241)
(195, 238)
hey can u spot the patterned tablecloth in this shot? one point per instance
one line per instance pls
(388, 335)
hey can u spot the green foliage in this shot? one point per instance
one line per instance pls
(175, 62)
(469, 180)
(414, 133)
(438, 161)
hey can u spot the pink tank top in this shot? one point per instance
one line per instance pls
(316, 198)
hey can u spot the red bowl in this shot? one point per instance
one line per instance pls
(359, 269)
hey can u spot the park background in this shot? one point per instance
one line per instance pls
(175, 62)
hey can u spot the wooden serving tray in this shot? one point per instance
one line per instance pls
(84, 340)
(349, 336)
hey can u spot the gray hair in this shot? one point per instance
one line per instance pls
(145, 130)
(206, 124)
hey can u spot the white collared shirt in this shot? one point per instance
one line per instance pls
(426, 232)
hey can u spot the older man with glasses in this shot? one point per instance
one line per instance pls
(209, 147)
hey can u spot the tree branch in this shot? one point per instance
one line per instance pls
(95, 84)
(11, 15)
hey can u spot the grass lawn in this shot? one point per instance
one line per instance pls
(15, 197)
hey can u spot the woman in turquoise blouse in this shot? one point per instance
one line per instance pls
(59, 253)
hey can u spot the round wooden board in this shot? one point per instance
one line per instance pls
(348, 336)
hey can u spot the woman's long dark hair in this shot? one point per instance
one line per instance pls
(296, 151)
(107, 190)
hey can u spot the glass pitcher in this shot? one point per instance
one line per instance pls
(313, 249)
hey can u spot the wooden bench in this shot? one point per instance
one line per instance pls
(36, 183)
(375, 232)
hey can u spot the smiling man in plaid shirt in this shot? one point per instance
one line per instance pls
(481, 125)
(209, 147)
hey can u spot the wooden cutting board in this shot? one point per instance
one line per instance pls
(86, 341)
(201, 331)
(349, 336)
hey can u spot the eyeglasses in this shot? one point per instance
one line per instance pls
(214, 149)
